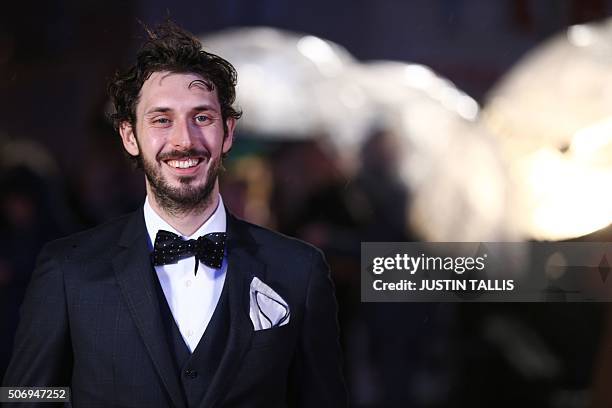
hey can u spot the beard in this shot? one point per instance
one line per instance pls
(186, 197)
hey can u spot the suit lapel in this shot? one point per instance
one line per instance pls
(134, 274)
(242, 266)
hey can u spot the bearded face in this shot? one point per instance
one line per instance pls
(179, 138)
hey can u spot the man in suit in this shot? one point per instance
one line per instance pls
(180, 304)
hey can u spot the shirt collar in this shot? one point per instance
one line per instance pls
(217, 222)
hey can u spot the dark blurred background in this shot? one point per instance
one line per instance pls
(64, 171)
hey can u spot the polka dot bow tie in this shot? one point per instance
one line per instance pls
(170, 248)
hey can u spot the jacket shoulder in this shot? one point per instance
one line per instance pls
(90, 243)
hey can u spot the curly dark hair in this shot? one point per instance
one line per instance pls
(171, 48)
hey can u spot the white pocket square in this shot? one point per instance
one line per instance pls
(267, 309)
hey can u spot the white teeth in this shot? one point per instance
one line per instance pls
(183, 164)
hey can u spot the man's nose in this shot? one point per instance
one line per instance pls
(182, 136)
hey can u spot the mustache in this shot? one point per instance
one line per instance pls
(183, 154)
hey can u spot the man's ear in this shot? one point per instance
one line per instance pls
(228, 139)
(128, 137)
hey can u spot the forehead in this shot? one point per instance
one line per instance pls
(176, 91)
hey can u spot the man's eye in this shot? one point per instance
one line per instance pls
(162, 121)
(202, 118)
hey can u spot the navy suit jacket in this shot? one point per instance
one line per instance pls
(90, 320)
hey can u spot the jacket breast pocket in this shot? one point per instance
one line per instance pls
(272, 337)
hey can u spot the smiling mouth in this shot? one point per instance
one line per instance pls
(183, 163)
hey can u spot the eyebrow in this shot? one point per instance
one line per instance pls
(163, 109)
(200, 108)
(158, 109)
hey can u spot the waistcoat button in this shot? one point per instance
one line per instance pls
(191, 373)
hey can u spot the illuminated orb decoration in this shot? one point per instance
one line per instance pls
(291, 86)
(448, 161)
(553, 116)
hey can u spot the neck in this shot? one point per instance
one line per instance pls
(189, 221)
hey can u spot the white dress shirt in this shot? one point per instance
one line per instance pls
(192, 298)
